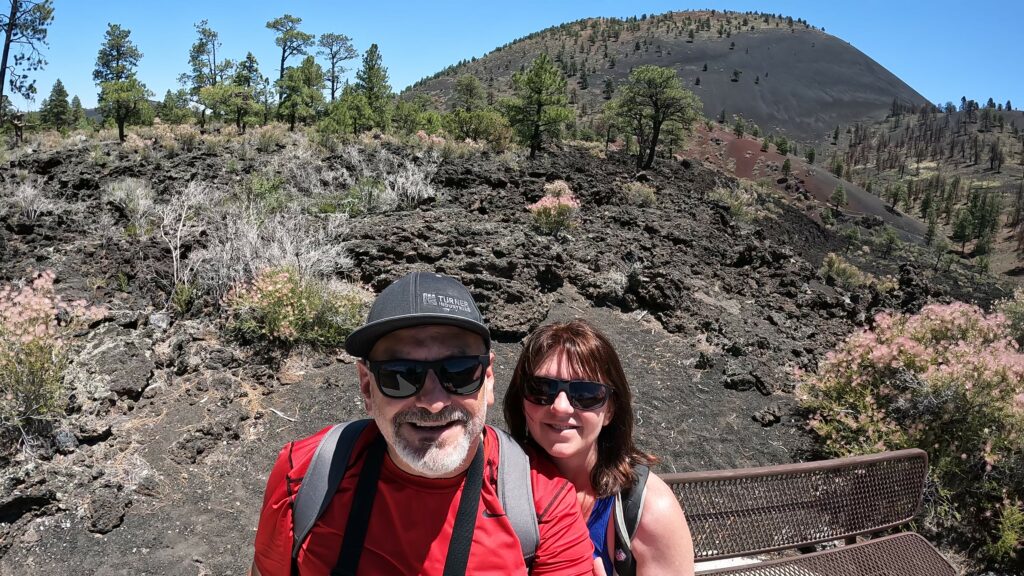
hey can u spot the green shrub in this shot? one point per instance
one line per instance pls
(34, 325)
(183, 295)
(639, 193)
(280, 307)
(267, 139)
(264, 190)
(741, 202)
(557, 210)
(838, 272)
(948, 380)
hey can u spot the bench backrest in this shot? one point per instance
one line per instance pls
(754, 510)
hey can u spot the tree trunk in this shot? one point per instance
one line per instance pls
(535, 138)
(655, 132)
(11, 23)
(120, 129)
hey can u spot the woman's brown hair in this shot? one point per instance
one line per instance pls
(592, 355)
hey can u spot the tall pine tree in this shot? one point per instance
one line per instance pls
(372, 83)
(122, 97)
(540, 107)
(56, 111)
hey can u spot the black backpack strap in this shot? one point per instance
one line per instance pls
(629, 506)
(321, 480)
(515, 491)
(465, 519)
(359, 514)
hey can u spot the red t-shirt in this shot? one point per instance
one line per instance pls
(413, 518)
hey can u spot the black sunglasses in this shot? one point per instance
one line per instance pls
(460, 375)
(582, 394)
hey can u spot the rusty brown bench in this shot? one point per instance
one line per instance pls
(839, 504)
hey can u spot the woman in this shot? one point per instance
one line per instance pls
(569, 397)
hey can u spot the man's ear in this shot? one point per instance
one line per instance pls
(489, 381)
(365, 381)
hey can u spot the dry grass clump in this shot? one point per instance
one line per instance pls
(384, 181)
(280, 306)
(740, 200)
(134, 200)
(240, 245)
(27, 201)
(640, 193)
(838, 272)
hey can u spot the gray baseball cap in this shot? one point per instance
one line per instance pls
(418, 299)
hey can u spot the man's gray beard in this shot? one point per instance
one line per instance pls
(432, 460)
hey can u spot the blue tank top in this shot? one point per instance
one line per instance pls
(598, 525)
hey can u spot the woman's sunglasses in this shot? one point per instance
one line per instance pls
(582, 394)
(460, 375)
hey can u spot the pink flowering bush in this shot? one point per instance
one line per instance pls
(557, 210)
(281, 307)
(1013, 309)
(34, 326)
(948, 380)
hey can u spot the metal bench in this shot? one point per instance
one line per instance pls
(794, 507)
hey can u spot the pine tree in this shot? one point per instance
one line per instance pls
(56, 111)
(77, 114)
(609, 89)
(962, 229)
(24, 31)
(782, 145)
(651, 101)
(174, 107)
(469, 93)
(291, 40)
(539, 107)
(337, 48)
(787, 168)
(301, 92)
(372, 82)
(838, 197)
(933, 227)
(205, 70)
(122, 97)
(889, 240)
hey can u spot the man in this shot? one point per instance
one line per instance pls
(426, 375)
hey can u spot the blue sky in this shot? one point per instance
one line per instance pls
(943, 49)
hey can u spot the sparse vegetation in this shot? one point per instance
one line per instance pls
(280, 306)
(837, 271)
(35, 326)
(556, 212)
(640, 193)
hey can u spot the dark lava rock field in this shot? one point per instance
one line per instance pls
(171, 426)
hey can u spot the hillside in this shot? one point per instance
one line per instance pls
(794, 79)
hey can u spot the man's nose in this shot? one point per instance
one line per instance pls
(433, 396)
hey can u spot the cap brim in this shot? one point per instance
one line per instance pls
(360, 342)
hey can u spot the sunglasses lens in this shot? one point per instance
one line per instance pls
(540, 391)
(588, 395)
(462, 375)
(582, 394)
(401, 379)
